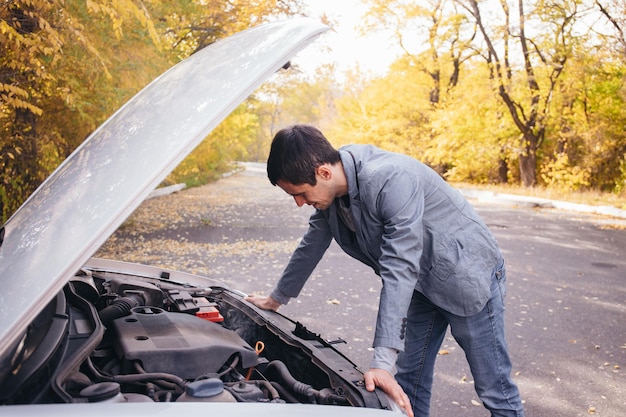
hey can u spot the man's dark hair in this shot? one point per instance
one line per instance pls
(296, 153)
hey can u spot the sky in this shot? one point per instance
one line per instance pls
(373, 53)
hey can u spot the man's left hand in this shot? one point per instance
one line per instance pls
(266, 303)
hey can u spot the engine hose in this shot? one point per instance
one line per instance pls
(230, 367)
(158, 395)
(150, 377)
(272, 392)
(284, 394)
(327, 396)
(120, 308)
(172, 382)
(296, 386)
(141, 377)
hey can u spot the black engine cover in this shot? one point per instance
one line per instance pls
(177, 343)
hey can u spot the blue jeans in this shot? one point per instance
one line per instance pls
(482, 338)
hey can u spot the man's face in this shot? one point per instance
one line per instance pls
(321, 195)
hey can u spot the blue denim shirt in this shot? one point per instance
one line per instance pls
(413, 229)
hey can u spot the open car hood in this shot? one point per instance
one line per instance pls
(96, 188)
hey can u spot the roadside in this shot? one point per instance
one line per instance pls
(481, 195)
(538, 202)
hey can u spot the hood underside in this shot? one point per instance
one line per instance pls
(89, 196)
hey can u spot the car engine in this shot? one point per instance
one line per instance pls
(118, 337)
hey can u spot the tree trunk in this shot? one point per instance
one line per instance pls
(503, 171)
(528, 163)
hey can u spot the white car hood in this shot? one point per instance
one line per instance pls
(96, 188)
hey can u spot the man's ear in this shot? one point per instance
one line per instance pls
(324, 172)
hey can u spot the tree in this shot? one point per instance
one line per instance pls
(445, 29)
(615, 13)
(190, 25)
(529, 47)
(391, 112)
(33, 37)
(542, 57)
(588, 149)
(66, 66)
(471, 133)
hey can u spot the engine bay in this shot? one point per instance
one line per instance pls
(117, 337)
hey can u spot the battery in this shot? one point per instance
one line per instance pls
(210, 314)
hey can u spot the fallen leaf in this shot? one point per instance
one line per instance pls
(591, 410)
(476, 403)
(444, 352)
(333, 301)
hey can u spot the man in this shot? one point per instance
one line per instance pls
(439, 264)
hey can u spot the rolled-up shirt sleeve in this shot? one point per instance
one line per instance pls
(384, 358)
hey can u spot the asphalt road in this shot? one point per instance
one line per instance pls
(566, 302)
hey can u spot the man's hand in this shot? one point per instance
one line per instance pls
(266, 303)
(384, 380)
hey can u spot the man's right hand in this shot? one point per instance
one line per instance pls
(265, 303)
(382, 379)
